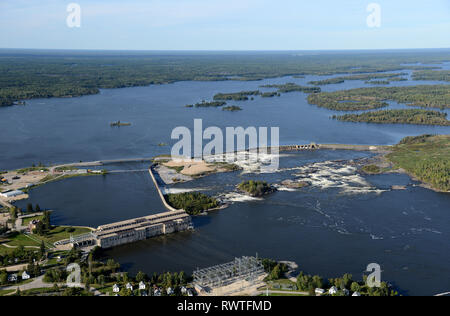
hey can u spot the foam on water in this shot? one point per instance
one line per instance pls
(239, 197)
(331, 174)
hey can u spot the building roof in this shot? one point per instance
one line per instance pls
(109, 230)
(11, 193)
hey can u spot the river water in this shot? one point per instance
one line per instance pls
(339, 224)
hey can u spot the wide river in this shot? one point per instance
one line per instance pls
(340, 224)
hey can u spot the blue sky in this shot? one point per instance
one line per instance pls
(224, 24)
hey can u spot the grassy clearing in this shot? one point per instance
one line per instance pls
(60, 232)
(16, 239)
(6, 292)
(27, 220)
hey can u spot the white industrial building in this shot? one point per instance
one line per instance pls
(11, 194)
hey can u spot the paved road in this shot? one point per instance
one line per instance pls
(39, 283)
(36, 283)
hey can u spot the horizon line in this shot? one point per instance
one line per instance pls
(225, 50)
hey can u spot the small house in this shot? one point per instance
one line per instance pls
(170, 291)
(356, 294)
(142, 286)
(319, 291)
(12, 278)
(183, 290)
(25, 275)
(116, 288)
(333, 290)
(129, 286)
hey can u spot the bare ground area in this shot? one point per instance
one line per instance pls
(191, 168)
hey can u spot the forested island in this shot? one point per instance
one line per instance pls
(410, 116)
(194, 203)
(426, 158)
(365, 77)
(270, 94)
(205, 104)
(292, 87)
(256, 188)
(27, 74)
(435, 96)
(237, 96)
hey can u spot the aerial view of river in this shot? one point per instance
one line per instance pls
(339, 224)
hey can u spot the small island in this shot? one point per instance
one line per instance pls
(238, 96)
(256, 188)
(292, 87)
(232, 108)
(119, 124)
(194, 203)
(204, 104)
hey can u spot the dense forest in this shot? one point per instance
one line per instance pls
(426, 157)
(26, 74)
(365, 77)
(193, 203)
(435, 96)
(432, 75)
(410, 116)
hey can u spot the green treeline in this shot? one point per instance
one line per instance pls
(42, 74)
(205, 104)
(237, 96)
(432, 75)
(426, 157)
(256, 188)
(365, 77)
(270, 94)
(193, 203)
(435, 96)
(292, 87)
(419, 117)
(380, 82)
(344, 284)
